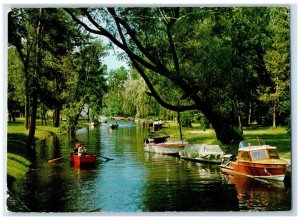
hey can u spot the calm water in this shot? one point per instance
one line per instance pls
(136, 181)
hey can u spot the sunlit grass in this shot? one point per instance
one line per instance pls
(17, 135)
(17, 166)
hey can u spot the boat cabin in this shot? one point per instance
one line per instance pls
(254, 153)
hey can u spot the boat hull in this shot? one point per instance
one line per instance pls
(203, 160)
(165, 148)
(257, 170)
(84, 159)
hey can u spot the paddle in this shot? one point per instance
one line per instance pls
(107, 158)
(59, 158)
(56, 159)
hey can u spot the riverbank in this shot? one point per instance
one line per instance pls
(273, 136)
(17, 136)
(18, 159)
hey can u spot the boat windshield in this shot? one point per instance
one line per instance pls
(258, 155)
(273, 154)
(253, 142)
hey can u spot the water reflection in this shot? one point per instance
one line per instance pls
(260, 195)
(135, 181)
(178, 185)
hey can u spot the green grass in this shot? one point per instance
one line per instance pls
(17, 136)
(17, 166)
(272, 136)
(17, 156)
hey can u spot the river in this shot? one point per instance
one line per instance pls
(135, 180)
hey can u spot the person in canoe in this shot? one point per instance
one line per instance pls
(76, 146)
(81, 150)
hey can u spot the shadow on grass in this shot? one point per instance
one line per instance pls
(17, 122)
(16, 143)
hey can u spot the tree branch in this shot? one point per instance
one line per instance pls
(132, 35)
(126, 49)
(157, 97)
(135, 59)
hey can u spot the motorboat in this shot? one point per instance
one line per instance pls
(255, 160)
(158, 142)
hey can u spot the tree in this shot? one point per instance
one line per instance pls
(115, 96)
(16, 89)
(277, 59)
(40, 35)
(152, 39)
(87, 84)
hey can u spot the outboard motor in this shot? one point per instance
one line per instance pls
(228, 158)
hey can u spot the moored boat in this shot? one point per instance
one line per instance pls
(203, 153)
(113, 126)
(168, 147)
(157, 142)
(259, 161)
(94, 124)
(87, 158)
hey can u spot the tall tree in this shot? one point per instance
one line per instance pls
(152, 39)
(87, 85)
(277, 59)
(202, 51)
(39, 34)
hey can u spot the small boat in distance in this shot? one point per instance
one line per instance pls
(87, 158)
(114, 126)
(255, 160)
(158, 143)
(94, 124)
(203, 153)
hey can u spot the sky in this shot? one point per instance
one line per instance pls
(113, 62)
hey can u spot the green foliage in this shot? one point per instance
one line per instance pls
(16, 88)
(230, 63)
(277, 61)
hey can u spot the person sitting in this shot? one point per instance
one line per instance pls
(77, 145)
(81, 150)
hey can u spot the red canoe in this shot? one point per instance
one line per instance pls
(84, 159)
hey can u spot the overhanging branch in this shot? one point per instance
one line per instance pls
(154, 94)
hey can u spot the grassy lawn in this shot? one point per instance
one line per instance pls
(17, 135)
(17, 156)
(272, 136)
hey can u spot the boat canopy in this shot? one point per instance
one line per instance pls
(202, 151)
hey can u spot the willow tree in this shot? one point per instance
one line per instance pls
(185, 46)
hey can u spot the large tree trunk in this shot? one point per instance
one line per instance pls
(27, 115)
(73, 123)
(225, 132)
(30, 138)
(56, 116)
